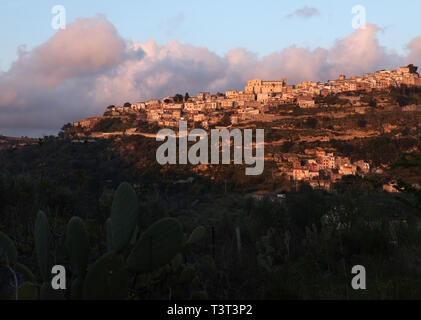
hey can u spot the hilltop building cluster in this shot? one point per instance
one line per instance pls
(261, 101)
(253, 102)
(319, 168)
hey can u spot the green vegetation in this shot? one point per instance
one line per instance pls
(108, 276)
(406, 95)
(153, 238)
(127, 228)
(331, 100)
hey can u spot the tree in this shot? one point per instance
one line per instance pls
(403, 100)
(287, 146)
(412, 68)
(66, 126)
(127, 105)
(226, 119)
(362, 123)
(186, 97)
(311, 123)
(178, 98)
(372, 102)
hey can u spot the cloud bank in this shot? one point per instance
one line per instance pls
(88, 66)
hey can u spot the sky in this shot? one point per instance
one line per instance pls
(117, 51)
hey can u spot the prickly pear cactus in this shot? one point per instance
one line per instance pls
(77, 245)
(8, 283)
(8, 247)
(177, 262)
(197, 235)
(187, 275)
(109, 230)
(24, 271)
(157, 246)
(76, 291)
(48, 293)
(124, 215)
(27, 291)
(107, 279)
(42, 244)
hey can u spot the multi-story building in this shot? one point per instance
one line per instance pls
(231, 94)
(363, 166)
(348, 170)
(258, 86)
(306, 102)
(204, 96)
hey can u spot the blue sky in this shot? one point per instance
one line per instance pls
(259, 26)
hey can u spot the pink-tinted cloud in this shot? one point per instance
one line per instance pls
(86, 47)
(87, 66)
(53, 82)
(414, 55)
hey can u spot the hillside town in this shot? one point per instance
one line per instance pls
(320, 169)
(262, 101)
(254, 102)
